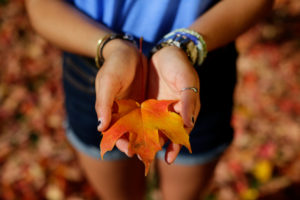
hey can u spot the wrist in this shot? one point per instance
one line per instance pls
(112, 43)
(117, 45)
(171, 56)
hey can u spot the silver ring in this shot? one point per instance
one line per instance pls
(190, 88)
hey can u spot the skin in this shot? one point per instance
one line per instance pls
(120, 180)
(169, 70)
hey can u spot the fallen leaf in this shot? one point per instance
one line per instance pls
(263, 171)
(250, 194)
(143, 123)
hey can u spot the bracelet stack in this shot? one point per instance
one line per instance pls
(191, 42)
(99, 60)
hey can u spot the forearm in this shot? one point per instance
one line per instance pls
(229, 18)
(64, 26)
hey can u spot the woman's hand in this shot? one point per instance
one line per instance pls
(123, 75)
(169, 72)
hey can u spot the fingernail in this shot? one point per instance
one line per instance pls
(99, 124)
(169, 159)
(139, 157)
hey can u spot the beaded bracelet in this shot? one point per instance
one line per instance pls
(188, 40)
(99, 59)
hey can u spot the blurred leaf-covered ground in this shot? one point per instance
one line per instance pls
(263, 163)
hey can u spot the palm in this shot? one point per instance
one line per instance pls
(169, 72)
(136, 88)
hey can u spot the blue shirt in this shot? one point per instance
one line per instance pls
(150, 19)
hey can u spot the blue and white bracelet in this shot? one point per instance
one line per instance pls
(191, 42)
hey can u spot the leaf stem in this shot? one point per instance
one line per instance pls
(143, 69)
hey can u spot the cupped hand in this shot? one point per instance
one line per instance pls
(123, 75)
(169, 72)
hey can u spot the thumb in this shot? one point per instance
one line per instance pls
(106, 90)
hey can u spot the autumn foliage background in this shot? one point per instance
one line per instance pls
(36, 162)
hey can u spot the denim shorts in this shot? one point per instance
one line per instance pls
(212, 132)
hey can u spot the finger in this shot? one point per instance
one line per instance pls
(122, 144)
(172, 152)
(106, 90)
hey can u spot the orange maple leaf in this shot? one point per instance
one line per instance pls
(143, 122)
